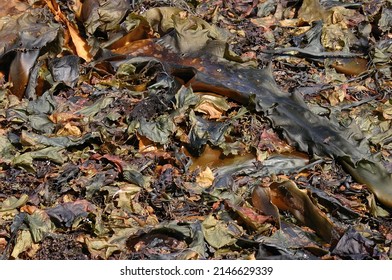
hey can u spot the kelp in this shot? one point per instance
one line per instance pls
(290, 242)
(119, 130)
(167, 239)
(287, 196)
(101, 15)
(357, 244)
(67, 213)
(24, 38)
(207, 69)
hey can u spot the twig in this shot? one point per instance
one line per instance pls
(358, 103)
(306, 52)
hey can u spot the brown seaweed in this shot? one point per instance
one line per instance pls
(286, 112)
(23, 39)
(287, 196)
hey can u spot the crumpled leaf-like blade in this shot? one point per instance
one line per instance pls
(26, 160)
(186, 98)
(374, 175)
(7, 150)
(32, 30)
(213, 106)
(13, 203)
(353, 245)
(24, 242)
(41, 123)
(119, 239)
(79, 43)
(217, 233)
(13, 7)
(44, 104)
(251, 218)
(158, 131)
(20, 71)
(134, 176)
(203, 131)
(39, 224)
(161, 19)
(192, 33)
(290, 242)
(136, 27)
(385, 21)
(66, 213)
(25, 36)
(94, 109)
(103, 15)
(261, 199)
(65, 69)
(287, 196)
(311, 10)
(31, 138)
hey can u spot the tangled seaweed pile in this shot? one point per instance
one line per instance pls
(142, 132)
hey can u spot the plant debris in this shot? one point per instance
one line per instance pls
(195, 130)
